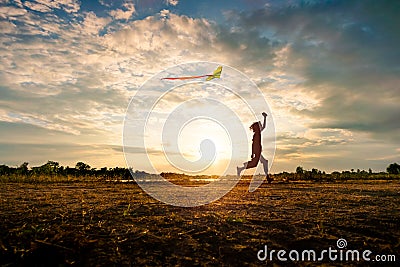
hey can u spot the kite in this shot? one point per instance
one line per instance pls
(216, 74)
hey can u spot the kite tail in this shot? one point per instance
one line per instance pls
(186, 77)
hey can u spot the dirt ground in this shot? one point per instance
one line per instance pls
(116, 224)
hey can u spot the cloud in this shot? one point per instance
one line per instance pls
(69, 6)
(295, 145)
(11, 13)
(125, 13)
(26, 142)
(80, 85)
(57, 76)
(162, 40)
(104, 3)
(93, 24)
(35, 120)
(67, 154)
(172, 2)
(36, 6)
(7, 27)
(332, 47)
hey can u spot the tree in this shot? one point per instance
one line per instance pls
(393, 168)
(82, 167)
(299, 173)
(299, 170)
(50, 168)
(23, 169)
(4, 169)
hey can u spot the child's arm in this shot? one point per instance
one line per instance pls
(265, 121)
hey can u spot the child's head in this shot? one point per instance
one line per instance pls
(255, 127)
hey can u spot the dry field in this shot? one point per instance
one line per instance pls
(114, 224)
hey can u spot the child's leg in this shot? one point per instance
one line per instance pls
(253, 162)
(248, 165)
(264, 161)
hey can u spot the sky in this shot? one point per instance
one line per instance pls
(329, 70)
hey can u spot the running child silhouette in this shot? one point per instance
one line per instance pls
(256, 149)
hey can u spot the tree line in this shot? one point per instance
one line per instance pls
(81, 169)
(392, 172)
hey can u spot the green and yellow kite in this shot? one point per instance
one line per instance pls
(216, 74)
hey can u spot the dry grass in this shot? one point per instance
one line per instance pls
(42, 179)
(93, 224)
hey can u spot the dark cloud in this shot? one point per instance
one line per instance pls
(347, 51)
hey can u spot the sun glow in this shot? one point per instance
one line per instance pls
(207, 142)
